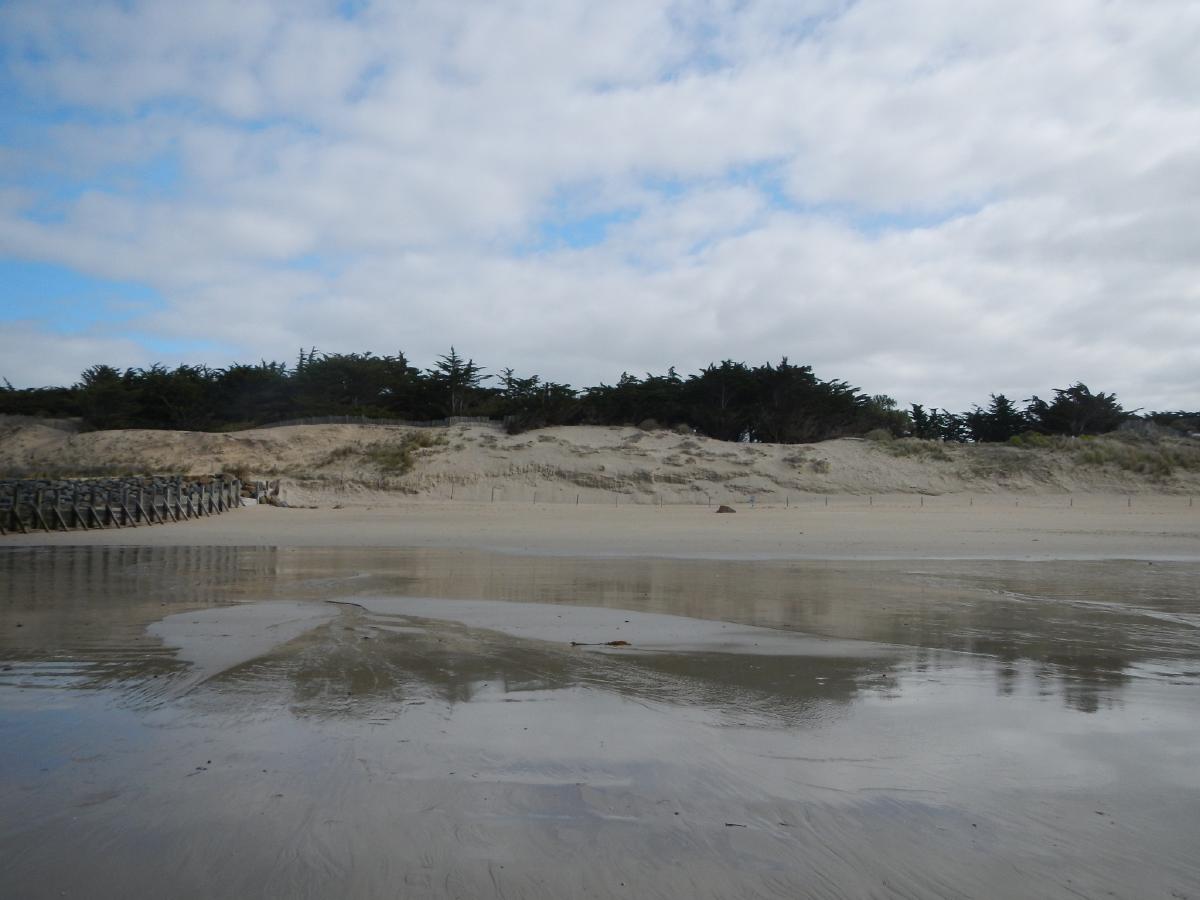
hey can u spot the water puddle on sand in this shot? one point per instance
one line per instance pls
(199, 722)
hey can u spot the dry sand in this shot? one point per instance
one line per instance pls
(621, 491)
(995, 527)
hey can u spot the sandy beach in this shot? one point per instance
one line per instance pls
(885, 527)
(958, 689)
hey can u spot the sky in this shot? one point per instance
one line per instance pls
(933, 199)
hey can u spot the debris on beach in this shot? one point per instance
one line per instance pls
(600, 644)
(725, 509)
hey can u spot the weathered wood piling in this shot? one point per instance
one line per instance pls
(63, 505)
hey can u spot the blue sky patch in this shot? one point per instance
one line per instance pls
(65, 301)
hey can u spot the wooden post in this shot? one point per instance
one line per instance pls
(38, 500)
(62, 523)
(20, 522)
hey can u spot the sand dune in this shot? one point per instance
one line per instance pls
(324, 465)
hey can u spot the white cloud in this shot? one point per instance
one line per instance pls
(924, 197)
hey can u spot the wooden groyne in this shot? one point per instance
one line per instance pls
(61, 505)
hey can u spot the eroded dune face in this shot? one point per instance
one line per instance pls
(325, 464)
(273, 722)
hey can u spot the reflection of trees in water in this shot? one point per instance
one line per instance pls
(1084, 677)
(354, 667)
(1091, 621)
(790, 689)
(1085, 682)
(86, 608)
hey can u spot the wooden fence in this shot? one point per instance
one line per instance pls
(112, 503)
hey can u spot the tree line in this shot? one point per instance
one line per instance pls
(731, 401)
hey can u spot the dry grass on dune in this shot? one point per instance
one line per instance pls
(593, 463)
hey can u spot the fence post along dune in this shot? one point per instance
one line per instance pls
(89, 503)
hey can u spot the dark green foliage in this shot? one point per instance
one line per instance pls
(732, 401)
(999, 422)
(881, 411)
(632, 400)
(246, 393)
(359, 384)
(527, 403)
(794, 406)
(721, 398)
(456, 382)
(937, 425)
(1075, 411)
(59, 403)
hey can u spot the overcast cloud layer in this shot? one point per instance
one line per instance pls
(928, 198)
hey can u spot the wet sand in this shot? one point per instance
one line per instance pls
(201, 721)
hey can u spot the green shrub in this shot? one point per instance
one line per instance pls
(398, 459)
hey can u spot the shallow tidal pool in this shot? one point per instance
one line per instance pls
(258, 722)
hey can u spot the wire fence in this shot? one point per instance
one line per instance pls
(391, 423)
(546, 494)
